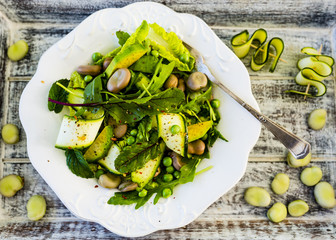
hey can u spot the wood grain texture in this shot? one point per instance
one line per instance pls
(285, 13)
(299, 23)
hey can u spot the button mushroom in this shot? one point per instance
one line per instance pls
(119, 80)
(171, 82)
(106, 62)
(92, 70)
(177, 160)
(109, 180)
(127, 186)
(181, 85)
(196, 147)
(196, 81)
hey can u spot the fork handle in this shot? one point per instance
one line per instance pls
(297, 146)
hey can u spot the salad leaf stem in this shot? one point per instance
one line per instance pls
(68, 90)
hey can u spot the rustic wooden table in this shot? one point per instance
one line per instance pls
(299, 23)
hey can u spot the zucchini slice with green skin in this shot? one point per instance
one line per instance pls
(76, 96)
(320, 57)
(260, 58)
(310, 51)
(108, 161)
(241, 43)
(101, 145)
(177, 142)
(77, 133)
(321, 68)
(302, 80)
(143, 175)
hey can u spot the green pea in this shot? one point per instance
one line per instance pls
(170, 169)
(155, 53)
(152, 185)
(134, 132)
(99, 173)
(88, 78)
(215, 103)
(168, 177)
(143, 193)
(175, 129)
(166, 192)
(205, 137)
(96, 56)
(130, 140)
(184, 58)
(167, 161)
(177, 174)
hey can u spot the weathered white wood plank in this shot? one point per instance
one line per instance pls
(284, 13)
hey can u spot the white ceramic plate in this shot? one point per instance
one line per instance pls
(229, 160)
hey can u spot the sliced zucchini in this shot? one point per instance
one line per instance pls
(241, 43)
(145, 174)
(101, 145)
(198, 130)
(77, 133)
(77, 97)
(108, 161)
(321, 68)
(262, 54)
(310, 51)
(302, 80)
(327, 59)
(178, 142)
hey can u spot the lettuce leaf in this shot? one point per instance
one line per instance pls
(76, 81)
(170, 47)
(138, 36)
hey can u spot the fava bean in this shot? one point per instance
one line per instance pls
(171, 82)
(109, 180)
(92, 70)
(295, 163)
(196, 147)
(10, 184)
(280, 183)
(181, 85)
(177, 160)
(18, 50)
(119, 80)
(311, 176)
(36, 207)
(317, 119)
(277, 213)
(127, 186)
(325, 195)
(106, 63)
(297, 208)
(257, 196)
(10, 133)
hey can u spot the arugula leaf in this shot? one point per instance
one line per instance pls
(58, 94)
(122, 36)
(162, 72)
(188, 171)
(133, 110)
(127, 198)
(213, 135)
(144, 128)
(76, 81)
(197, 102)
(77, 163)
(92, 91)
(136, 156)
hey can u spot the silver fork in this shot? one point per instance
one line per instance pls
(297, 146)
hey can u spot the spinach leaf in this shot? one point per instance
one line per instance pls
(122, 36)
(188, 171)
(77, 163)
(133, 110)
(136, 156)
(92, 91)
(58, 94)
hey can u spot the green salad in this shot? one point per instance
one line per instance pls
(139, 118)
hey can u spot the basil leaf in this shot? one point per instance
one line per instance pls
(136, 156)
(58, 94)
(77, 163)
